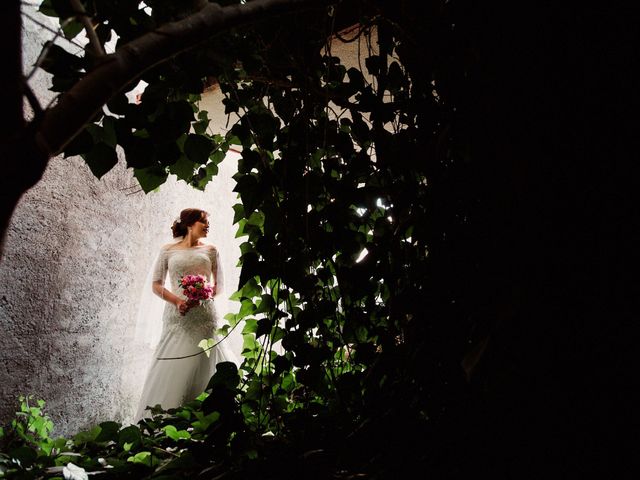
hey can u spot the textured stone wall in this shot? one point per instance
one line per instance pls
(77, 253)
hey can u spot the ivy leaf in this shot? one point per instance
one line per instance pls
(139, 152)
(62, 83)
(396, 79)
(109, 131)
(101, 158)
(108, 432)
(206, 345)
(223, 330)
(266, 304)
(58, 61)
(249, 160)
(25, 455)
(249, 267)
(264, 126)
(288, 382)
(280, 364)
(145, 458)
(226, 375)
(247, 307)
(172, 121)
(240, 134)
(82, 143)
(251, 326)
(71, 29)
(251, 288)
(150, 178)
(200, 127)
(129, 434)
(249, 190)
(264, 327)
(56, 8)
(230, 105)
(373, 64)
(356, 79)
(183, 168)
(46, 8)
(284, 106)
(216, 157)
(197, 148)
(168, 153)
(174, 434)
(205, 174)
(204, 421)
(86, 436)
(119, 104)
(238, 209)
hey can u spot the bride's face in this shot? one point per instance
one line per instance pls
(200, 228)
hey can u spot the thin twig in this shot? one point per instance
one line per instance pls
(129, 187)
(85, 19)
(166, 451)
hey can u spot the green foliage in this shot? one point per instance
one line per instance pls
(26, 440)
(340, 302)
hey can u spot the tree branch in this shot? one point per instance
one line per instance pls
(81, 103)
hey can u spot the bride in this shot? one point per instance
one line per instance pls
(172, 381)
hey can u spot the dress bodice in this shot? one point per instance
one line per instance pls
(202, 260)
(198, 260)
(190, 261)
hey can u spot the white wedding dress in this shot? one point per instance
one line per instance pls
(171, 382)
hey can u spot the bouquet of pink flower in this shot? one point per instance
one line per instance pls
(196, 288)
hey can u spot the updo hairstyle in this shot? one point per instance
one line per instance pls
(188, 217)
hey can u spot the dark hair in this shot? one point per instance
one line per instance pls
(188, 217)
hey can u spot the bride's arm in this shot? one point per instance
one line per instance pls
(157, 285)
(166, 295)
(216, 271)
(163, 293)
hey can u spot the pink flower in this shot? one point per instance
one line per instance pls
(196, 288)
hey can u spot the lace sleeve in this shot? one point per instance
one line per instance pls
(216, 270)
(160, 267)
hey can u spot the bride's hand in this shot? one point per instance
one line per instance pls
(182, 307)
